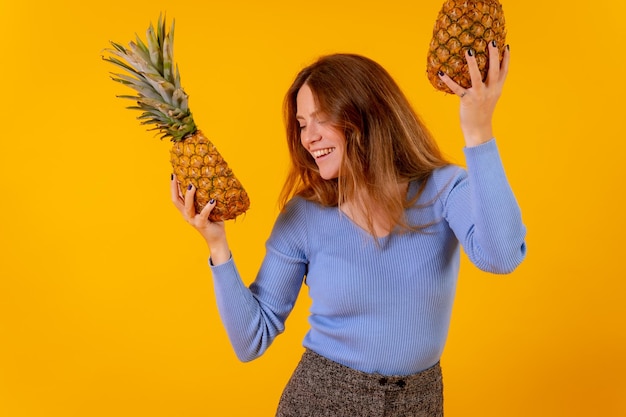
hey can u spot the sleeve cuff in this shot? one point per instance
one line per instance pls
(230, 260)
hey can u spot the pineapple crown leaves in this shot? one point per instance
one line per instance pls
(150, 72)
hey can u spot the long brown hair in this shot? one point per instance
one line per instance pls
(386, 142)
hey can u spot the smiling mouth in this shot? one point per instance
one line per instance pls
(322, 152)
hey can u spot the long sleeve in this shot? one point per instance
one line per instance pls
(254, 316)
(483, 212)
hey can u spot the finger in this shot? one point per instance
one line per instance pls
(504, 68)
(175, 191)
(474, 72)
(452, 85)
(207, 209)
(494, 63)
(190, 208)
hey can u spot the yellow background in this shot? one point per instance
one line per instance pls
(106, 302)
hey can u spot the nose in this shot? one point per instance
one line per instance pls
(310, 135)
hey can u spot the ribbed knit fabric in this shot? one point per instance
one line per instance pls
(377, 308)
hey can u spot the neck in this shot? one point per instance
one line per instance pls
(371, 215)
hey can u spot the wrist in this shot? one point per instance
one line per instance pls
(219, 253)
(477, 138)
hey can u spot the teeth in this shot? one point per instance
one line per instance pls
(322, 152)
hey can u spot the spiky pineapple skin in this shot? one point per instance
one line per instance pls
(195, 160)
(149, 70)
(463, 25)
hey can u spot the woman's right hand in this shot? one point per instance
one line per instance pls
(213, 233)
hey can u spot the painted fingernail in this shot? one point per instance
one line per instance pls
(508, 47)
(171, 177)
(493, 43)
(470, 52)
(440, 73)
(211, 201)
(189, 186)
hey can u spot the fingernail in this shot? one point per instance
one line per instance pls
(508, 47)
(470, 52)
(189, 186)
(171, 177)
(211, 201)
(493, 42)
(440, 73)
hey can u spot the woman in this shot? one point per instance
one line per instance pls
(373, 217)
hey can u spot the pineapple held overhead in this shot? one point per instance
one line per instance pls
(463, 25)
(195, 160)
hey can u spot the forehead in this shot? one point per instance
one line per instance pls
(306, 102)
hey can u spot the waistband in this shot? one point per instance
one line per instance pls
(352, 377)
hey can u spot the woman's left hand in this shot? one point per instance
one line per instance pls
(478, 102)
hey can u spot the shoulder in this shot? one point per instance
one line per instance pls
(446, 178)
(298, 209)
(448, 172)
(292, 214)
(291, 229)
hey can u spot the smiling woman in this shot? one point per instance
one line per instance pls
(373, 216)
(324, 141)
(104, 308)
(363, 110)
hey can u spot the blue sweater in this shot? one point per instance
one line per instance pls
(377, 308)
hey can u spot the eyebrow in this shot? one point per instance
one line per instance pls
(315, 113)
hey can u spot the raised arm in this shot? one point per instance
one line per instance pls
(481, 208)
(478, 102)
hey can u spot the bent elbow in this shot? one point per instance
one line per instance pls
(248, 353)
(246, 357)
(507, 261)
(249, 349)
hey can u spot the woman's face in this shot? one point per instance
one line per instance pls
(323, 141)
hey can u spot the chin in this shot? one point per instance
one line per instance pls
(327, 176)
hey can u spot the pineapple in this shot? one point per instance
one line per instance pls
(463, 25)
(195, 160)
